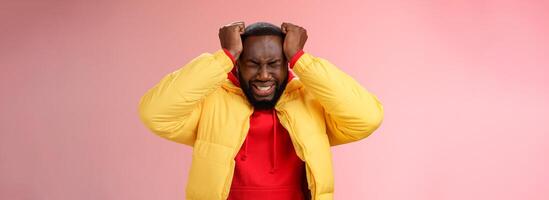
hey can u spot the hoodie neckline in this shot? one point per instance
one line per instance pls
(274, 146)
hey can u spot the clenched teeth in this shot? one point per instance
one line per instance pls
(264, 87)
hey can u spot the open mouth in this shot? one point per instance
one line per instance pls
(262, 89)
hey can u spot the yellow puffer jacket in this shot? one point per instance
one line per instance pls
(197, 105)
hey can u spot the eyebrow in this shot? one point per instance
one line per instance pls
(268, 61)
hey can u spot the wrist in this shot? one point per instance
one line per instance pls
(230, 54)
(295, 57)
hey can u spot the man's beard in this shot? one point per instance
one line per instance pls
(262, 104)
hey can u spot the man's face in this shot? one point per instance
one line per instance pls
(263, 70)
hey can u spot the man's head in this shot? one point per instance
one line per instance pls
(262, 66)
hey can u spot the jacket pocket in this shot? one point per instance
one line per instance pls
(215, 152)
(210, 168)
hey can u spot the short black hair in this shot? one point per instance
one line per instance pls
(261, 28)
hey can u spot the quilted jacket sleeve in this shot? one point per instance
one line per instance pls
(171, 109)
(351, 112)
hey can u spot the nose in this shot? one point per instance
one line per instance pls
(263, 74)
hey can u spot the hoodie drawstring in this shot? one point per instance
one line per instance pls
(243, 158)
(273, 163)
(274, 143)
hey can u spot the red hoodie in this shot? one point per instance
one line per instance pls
(267, 166)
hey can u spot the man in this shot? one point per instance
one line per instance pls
(258, 130)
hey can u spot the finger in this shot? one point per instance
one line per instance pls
(238, 23)
(290, 25)
(229, 24)
(283, 27)
(241, 29)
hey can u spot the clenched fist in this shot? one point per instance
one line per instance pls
(296, 37)
(229, 36)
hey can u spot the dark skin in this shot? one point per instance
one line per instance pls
(262, 65)
(229, 36)
(262, 60)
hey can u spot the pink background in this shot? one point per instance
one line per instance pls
(464, 85)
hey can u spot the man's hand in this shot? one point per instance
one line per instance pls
(229, 36)
(296, 37)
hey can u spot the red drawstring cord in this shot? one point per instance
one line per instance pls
(243, 158)
(273, 167)
(274, 142)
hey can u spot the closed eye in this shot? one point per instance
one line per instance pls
(253, 62)
(276, 62)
